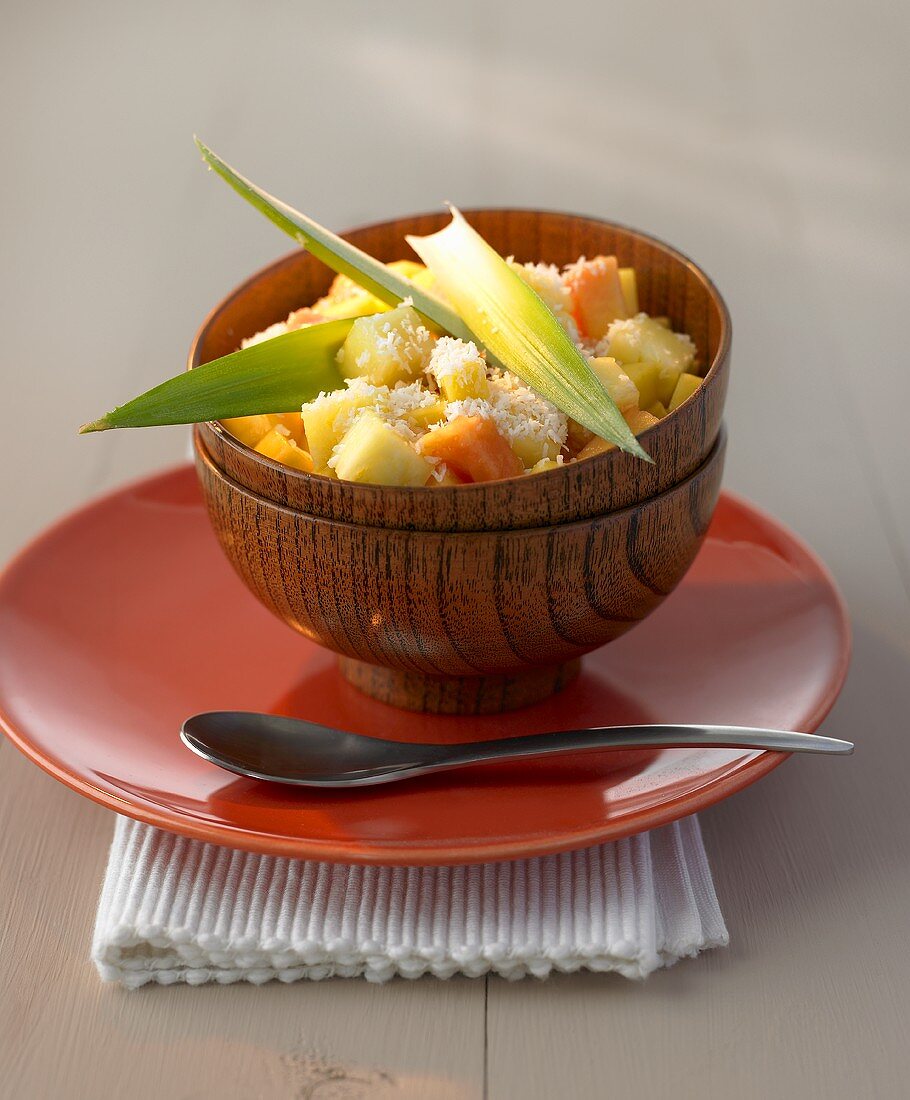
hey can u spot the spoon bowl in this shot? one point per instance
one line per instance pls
(279, 749)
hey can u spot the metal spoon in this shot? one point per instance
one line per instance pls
(291, 750)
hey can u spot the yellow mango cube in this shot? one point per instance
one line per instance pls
(293, 421)
(629, 285)
(685, 387)
(372, 452)
(282, 448)
(646, 377)
(658, 409)
(249, 429)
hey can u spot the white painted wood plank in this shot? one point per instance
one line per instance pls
(810, 999)
(810, 865)
(64, 1033)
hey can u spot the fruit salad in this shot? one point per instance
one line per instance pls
(419, 409)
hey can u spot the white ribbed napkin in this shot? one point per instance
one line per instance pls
(179, 910)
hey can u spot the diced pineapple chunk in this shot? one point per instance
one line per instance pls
(459, 369)
(471, 382)
(248, 429)
(387, 347)
(666, 384)
(371, 451)
(658, 409)
(617, 383)
(646, 377)
(282, 448)
(685, 387)
(629, 284)
(642, 340)
(597, 294)
(533, 450)
(327, 418)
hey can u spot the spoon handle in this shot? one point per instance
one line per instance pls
(637, 737)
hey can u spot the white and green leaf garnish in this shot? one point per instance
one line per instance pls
(337, 253)
(485, 301)
(516, 326)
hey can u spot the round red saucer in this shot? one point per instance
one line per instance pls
(125, 618)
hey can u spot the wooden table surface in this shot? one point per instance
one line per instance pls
(767, 140)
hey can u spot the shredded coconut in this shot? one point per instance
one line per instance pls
(597, 350)
(630, 328)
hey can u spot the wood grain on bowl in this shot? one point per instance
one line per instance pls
(669, 284)
(468, 621)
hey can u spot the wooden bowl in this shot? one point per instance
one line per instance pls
(461, 622)
(669, 284)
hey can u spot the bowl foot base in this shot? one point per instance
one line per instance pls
(460, 694)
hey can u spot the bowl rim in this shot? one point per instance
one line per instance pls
(714, 455)
(442, 492)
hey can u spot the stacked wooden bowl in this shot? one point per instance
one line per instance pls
(474, 598)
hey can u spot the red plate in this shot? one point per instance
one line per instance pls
(125, 618)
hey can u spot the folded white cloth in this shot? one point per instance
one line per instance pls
(174, 909)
